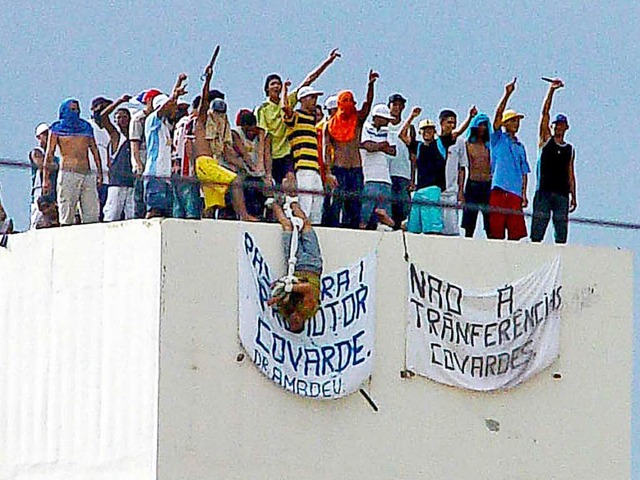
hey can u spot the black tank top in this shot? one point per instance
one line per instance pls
(554, 167)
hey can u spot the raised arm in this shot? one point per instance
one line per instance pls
(545, 130)
(363, 113)
(178, 91)
(114, 134)
(284, 100)
(473, 111)
(405, 131)
(502, 105)
(319, 70)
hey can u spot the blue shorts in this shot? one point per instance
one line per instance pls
(375, 195)
(186, 199)
(158, 195)
(309, 256)
(425, 218)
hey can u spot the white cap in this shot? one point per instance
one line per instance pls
(41, 128)
(331, 102)
(381, 110)
(159, 101)
(308, 91)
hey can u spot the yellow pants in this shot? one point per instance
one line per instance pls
(215, 180)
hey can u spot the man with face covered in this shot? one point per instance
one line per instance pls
(344, 167)
(509, 169)
(271, 119)
(157, 184)
(303, 138)
(556, 192)
(76, 182)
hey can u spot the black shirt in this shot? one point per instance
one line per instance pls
(430, 165)
(553, 174)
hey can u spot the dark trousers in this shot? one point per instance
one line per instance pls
(138, 198)
(345, 204)
(103, 191)
(476, 194)
(544, 205)
(401, 201)
(254, 197)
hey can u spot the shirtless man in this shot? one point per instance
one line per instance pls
(302, 300)
(344, 167)
(214, 178)
(76, 182)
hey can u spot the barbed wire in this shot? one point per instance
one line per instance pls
(596, 222)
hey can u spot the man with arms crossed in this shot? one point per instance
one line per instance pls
(76, 183)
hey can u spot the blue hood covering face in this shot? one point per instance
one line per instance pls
(70, 124)
(472, 135)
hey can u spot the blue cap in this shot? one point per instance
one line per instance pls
(560, 118)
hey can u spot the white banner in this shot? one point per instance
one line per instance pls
(334, 354)
(483, 340)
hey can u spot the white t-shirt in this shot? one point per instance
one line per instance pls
(159, 144)
(102, 142)
(136, 132)
(375, 165)
(456, 158)
(400, 165)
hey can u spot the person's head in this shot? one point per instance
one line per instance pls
(560, 125)
(123, 119)
(217, 105)
(182, 111)
(479, 129)
(448, 121)
(273, 86)
(308, 98)
(42, 134)
(381, 116)
(511, 121)
(346, 102)
(98, 104)
(427, 129)
(147, 97)
(159, 101)
(396, 105)
(47, 205)
(37, 156)
(69, 110)
(246, 120)
(331, 105)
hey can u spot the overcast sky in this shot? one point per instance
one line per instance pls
(438, 54)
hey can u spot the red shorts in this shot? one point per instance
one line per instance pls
(498, 222)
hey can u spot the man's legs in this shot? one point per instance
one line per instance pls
(114, 205)
(450, 214)
(103, 192)
(129, 203)
(353, 191)
(401, 200)
(560, 208)
(69, 184)
(541, 215)
(336, 203)
(138, 198)
(470, 212)
(89, 202)
(310, 194)
(516, 227)
(497, 220)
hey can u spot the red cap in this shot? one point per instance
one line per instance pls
(150, 95)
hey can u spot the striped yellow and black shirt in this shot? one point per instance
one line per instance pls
(301, 131)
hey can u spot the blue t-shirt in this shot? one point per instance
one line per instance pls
(508, 163)
(159, 143)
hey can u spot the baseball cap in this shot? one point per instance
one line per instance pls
(41, 128)
(219, 105)
(509, 114)
(147, 95)
(396, 97)
(159, 101)
(561, 118)
(381, 110)
(331, 102)
(307, 92)
(99, 101)
(426, 123)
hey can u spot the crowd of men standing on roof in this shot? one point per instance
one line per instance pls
(352, 164)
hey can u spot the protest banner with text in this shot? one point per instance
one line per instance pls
(334, 354)
(487, 340)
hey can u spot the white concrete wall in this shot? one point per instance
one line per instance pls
(92, 317)
(220, 418)
(79, 333)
